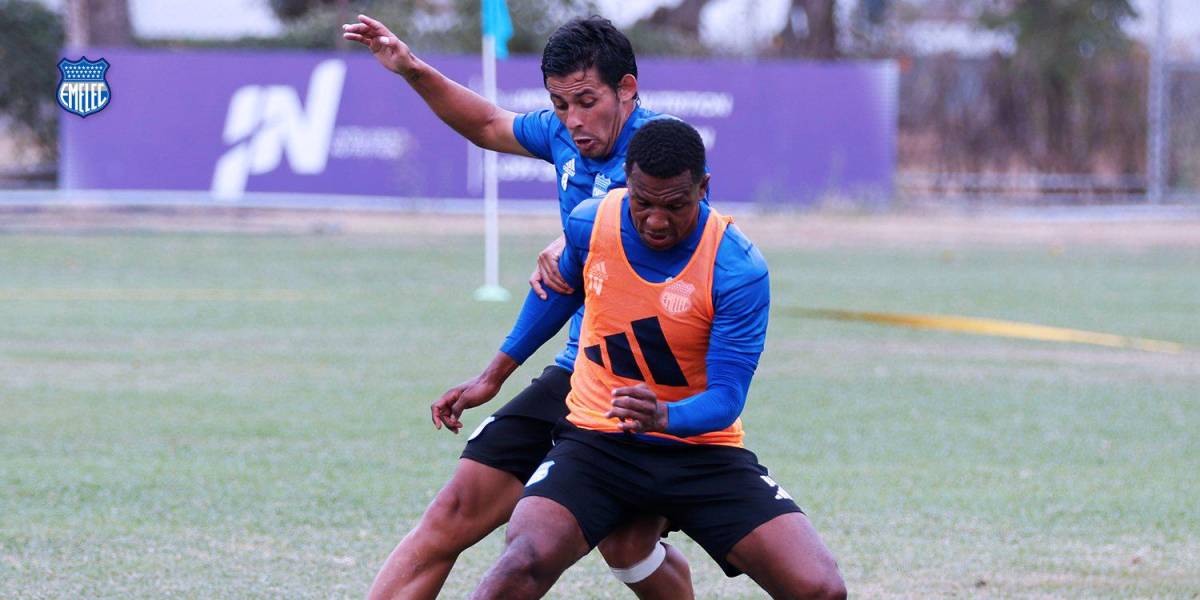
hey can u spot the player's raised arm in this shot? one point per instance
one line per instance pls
(471, 115)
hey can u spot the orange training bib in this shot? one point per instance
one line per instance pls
(638, 332)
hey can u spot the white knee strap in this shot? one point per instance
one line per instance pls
(643, 569)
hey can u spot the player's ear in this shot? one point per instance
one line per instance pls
(627, 88)
(702, 187)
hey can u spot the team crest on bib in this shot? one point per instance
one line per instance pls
(82, 89)
(596, 277)
(677, 297)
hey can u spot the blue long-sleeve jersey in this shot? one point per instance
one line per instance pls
(579, 177)
(741, 302)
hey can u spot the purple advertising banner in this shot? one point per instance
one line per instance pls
(235, 125)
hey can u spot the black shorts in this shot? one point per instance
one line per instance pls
(545, 398)
(715, 494)
(517, 437)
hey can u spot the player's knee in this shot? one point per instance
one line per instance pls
(629, 546)
(677, 562)
(833, 589)
(524, 560)
(824, 585)
(448, 521)
(830, 588)
(642, 570)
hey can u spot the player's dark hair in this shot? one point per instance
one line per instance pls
(585, 42)
(666, 147)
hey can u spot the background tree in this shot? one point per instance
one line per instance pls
(288, 10)
(811, 30)
(30, 39)
(1057, 43)
(670, 30)
(98, 23)
(450, 26)
(683, 17)
(868, 32)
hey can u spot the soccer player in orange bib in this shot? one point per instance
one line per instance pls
(675, 317)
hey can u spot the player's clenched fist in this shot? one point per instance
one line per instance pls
(638, 410)
(387, 48)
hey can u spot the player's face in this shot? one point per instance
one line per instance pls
(592, 112)
(664, 209)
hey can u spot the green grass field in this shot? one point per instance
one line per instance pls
(240, 416)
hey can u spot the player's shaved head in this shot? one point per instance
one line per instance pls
(586, 42)
(664, 148)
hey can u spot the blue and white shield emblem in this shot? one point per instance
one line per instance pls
(83, 90)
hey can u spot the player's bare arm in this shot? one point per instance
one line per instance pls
(471, 393)
(471, 115)
(547, 272)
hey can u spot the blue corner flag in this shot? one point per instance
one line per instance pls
(497, 24)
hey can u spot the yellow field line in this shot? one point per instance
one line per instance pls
(993, 327)
(150, 295)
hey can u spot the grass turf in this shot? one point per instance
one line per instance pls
(206, 415)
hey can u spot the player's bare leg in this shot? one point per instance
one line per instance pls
(543, 540)
(475, 501)
(787, 558)
(633, 554)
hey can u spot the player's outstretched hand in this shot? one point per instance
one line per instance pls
(387, 48)
(638, 409)
(468, 394)
(547, 270)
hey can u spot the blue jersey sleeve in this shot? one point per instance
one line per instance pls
(741, 296)
(541, 319)
(741, 304)
(578, 235)
(534, 131)
(719, 405)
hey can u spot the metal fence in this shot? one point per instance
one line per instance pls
(977, 129)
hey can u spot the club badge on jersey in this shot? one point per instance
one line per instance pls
(83, 88)
(600, 185)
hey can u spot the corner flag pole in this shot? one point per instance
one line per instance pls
(496, 23)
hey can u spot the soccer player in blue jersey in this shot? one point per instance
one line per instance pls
(590, 72)
(676, 315)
